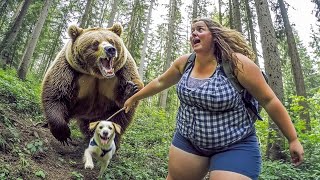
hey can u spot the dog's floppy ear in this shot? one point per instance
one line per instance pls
(93, 125)
(117, 127)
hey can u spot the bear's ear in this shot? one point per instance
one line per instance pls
(74, 31)
(116, 28)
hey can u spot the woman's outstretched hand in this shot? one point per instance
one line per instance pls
(128, 104)
(296, 152)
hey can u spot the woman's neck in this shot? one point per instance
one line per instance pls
(205, 66)
(205, 59)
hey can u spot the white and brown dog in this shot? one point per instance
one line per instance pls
(101, 145)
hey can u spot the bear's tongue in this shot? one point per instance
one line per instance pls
(106, 67)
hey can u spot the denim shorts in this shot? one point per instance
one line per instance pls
(242, 157)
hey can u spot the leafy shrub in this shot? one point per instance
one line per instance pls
(23, 96)
(35, 146)
(40, 174)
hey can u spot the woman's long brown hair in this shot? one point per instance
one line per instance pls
(226, 42)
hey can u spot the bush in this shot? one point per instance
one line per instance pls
(23, 96)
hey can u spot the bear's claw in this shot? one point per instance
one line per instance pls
(130, 89)
(65, 142)
(61, 133)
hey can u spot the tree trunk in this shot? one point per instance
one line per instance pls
(134, 37)
(251, 30)
(173, 6)
(84, 19)
(12, 33)
(46, 62)
(23, 67)
(237, 15)
(113, 12)
(231, 23)
(317, 8)
(276, 142)
(3, 6)
(195, 9)
(132, 25)
(296, 65)
(102, 12)
(145, 41)
(220, 13)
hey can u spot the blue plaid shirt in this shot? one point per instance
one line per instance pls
(212, 115)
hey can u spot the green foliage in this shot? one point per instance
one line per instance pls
(75, 133)
(275, 170)
(24, 96)
(144, 150)
(4, 171)
(40, 174)
(76, 176)
(35, 146)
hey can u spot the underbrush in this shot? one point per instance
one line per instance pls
(144, 150)
(22, 96)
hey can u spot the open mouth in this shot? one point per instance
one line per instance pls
(196, 41)
(104, 139)
(106, 67)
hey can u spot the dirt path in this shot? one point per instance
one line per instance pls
(56, 161)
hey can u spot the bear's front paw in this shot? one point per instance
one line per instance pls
(61, 133)
(130, 89)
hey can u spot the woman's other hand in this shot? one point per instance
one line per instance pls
(296, 152)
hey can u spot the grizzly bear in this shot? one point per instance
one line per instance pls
(89, 80)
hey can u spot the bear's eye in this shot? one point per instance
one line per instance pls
(110, 127)
(100, 127)
(112, 42)
(95, 45)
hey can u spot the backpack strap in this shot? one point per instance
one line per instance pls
(230, 75)
(245, 95)
(190, 61)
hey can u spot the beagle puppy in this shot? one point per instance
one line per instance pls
(101, 146)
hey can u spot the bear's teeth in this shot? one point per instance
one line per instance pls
(109, 71)
(105, 67)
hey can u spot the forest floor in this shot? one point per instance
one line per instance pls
(29, 151)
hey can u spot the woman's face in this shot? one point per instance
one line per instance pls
(201, 37)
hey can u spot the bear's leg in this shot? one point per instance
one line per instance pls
(124, 120)
(84, 128)
(57, 117)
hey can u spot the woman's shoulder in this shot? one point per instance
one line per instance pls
(181, 62)
(243, 58)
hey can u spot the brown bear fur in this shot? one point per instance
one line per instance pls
(89, 80)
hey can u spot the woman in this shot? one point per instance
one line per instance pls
(214, 130)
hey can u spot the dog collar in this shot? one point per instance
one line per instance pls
(104, 151)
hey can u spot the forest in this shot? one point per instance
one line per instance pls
(32, 32)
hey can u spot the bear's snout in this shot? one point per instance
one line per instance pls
(110, 51)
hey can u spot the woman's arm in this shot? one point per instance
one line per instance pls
(251, 78)
(164, 81)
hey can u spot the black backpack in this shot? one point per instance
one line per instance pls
(246, 96)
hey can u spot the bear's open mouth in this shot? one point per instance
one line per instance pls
(106, 67)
